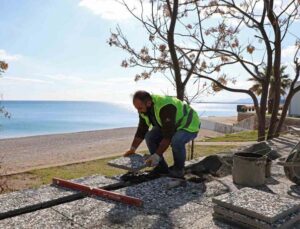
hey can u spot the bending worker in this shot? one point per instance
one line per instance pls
(173, 123)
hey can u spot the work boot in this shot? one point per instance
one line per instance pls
(176, 173)
(159, 171)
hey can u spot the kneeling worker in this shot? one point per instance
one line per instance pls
(173, 123)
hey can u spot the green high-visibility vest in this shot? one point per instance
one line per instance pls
(186, 118)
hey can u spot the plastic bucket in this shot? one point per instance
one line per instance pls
(249, 169)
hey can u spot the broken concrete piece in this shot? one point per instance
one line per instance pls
(262, 148)
(258, 204)
(32, 199)
(250, 222)
(132, 163)
(214, 164)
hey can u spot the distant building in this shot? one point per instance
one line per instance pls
(294, 109)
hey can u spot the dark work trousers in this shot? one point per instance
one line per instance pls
(179, 139)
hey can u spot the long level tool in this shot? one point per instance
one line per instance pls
(98, 192)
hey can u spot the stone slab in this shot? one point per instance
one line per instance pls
(258, 204)
(250, 222)
(158, 198)
(32, 199)
(132, 163)
(163, 208)
(45, 218)
(87, 213)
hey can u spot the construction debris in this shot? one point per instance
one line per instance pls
(218, 165)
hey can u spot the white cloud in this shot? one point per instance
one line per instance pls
(21, 79)
(112, 9)
(289, 51)
(8, 57)
(70, 79)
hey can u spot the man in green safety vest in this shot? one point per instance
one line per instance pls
(173, 123)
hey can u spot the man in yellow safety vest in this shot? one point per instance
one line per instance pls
(173, 123)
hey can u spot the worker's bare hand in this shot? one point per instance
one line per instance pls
(129, 152)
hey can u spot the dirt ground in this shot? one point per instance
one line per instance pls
(27, 153)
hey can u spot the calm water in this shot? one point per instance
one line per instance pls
(49, 117)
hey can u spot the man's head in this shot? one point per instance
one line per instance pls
(142, 101)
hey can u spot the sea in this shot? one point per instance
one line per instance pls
(31, 118)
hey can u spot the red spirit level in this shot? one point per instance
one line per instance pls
(98, 192)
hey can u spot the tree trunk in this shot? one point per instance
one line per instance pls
(171, 44)
(260, 121)
(274, 116)
(180, 91)
(270, 105)
(261, 118)
(276, 67)
(261, 124)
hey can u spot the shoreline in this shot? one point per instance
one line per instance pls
(43, 151)
(63, 133)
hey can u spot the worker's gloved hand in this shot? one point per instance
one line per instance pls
(153, 160)
(129, 152)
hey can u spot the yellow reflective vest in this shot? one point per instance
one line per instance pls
(186, 118)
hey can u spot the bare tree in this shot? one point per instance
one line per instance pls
(207, 38)
(265, 26)
(168, 30)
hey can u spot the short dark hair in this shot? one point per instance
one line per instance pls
(144, 96)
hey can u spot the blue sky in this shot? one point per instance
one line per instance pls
(57, 50)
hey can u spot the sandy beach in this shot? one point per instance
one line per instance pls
(27, 153)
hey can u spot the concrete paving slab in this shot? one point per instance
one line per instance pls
(132, 163)
(258, 204)
(88, 213)
(45, 218)
(32, 199)
(160, 210)
(226, 214)
(208, 222)
(158, 198)
(99, 213)
(179, 207)
(91, 213)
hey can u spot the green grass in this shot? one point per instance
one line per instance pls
(39, 177)
(243, 136)
(76, 170)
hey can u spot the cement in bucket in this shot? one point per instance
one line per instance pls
(249, 169)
